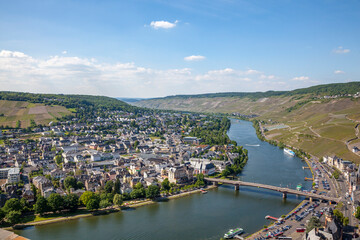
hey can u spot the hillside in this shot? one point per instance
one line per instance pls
(320, 120)
(43, 108)
(13, 111)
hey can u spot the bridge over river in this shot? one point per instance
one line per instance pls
(284, 191)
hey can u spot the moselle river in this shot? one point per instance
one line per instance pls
(199, 216)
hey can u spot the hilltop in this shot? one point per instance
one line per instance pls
(321, 120)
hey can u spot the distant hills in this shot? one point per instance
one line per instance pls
(131, 100)
(321, 120)
(326, 89)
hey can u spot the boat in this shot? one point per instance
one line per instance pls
(288, 151)
(233, 232)
(299, 187)
(203, 191)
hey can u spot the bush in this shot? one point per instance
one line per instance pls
(13, 217)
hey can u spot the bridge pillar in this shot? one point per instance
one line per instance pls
(310, 199)
(236, 187)
(284, 195)
(215, 183)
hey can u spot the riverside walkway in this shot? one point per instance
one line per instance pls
(284, 191)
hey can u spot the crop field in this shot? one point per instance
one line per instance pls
(13, 111)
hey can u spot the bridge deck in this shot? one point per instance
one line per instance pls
(274, 188)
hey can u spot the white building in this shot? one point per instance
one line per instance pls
(11, 174)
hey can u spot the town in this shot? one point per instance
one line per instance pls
(111, 158)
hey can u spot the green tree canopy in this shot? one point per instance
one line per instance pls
(41, 205)
(165, 184)
(13, 217)
(314, 222)
(118, 200)
(86, 196)
(70, 182)
(12, 204)
(117, 186)
(109, 186)
(153, 191)
(93, 204)
(55, 202)
(71, 202)
(104, 203)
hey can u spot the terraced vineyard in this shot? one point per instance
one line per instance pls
(13, 111)
(301, 118)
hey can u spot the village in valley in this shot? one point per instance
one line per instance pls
(115, 150)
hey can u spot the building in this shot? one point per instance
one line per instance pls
(11, 174)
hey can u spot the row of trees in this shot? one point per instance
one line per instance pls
(214, 132)
(238, 163)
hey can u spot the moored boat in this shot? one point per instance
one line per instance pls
(233, 232)
(288, 151)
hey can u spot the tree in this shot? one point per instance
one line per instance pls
(18, 124)
(109, 186)
(24, 204)
(86, 196)
(200, 180)
(80, 185)
(118, 200)
(12, 204)
(2, 215)
(71, 202)
(104, 204)
(13, 217)
(357, 213)
(70, 182)
(41, 205)
(137, 193)
(153, 191)
(55, 202)
(117, 186)
(58, 159)
(165, 184)
(92, 204)
(314, 222)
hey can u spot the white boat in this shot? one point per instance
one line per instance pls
(288, 151)
(233, 232)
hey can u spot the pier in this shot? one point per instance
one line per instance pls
(284, 191)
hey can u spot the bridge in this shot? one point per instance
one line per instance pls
(284, 191)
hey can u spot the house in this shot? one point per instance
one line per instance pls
(180, 174)
(11, 174)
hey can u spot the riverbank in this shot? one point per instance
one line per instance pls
(261, 136)
(127, 205)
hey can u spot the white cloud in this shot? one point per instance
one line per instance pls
(77, 75)
(163, 24)
(64, 52)
(339, 72)
(194, 58)
(302, 78)
(341, 50)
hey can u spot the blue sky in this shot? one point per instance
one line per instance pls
(159, 48)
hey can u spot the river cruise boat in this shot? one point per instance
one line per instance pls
(233, 232)
(288, 151)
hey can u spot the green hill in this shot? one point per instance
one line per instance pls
(319, 119)
(43, 108)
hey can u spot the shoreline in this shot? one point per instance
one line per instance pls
(103, 211)
(260, 132)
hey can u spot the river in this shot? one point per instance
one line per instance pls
(199, 216)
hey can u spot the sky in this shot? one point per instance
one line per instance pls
(156, 48)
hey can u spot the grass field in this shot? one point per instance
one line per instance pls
(25, 111)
